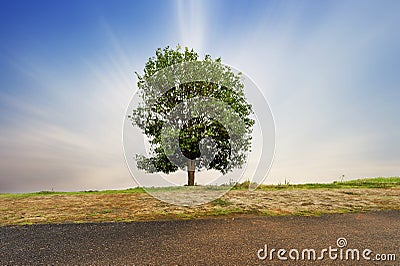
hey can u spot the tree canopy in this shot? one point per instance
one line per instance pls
(192, 110)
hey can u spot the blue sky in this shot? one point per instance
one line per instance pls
(329, 69)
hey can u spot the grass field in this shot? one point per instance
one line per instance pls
(136, 205)
(377, 182)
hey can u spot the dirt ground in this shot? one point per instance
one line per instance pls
(70, 208)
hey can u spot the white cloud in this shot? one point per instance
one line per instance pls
(192, 22)
(317, 84)
(317, 81)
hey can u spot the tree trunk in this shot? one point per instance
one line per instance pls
(191, 168)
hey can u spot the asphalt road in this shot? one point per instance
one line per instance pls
(204, 242)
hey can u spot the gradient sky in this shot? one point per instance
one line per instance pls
(329, 69)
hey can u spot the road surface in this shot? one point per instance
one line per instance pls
(223, 241)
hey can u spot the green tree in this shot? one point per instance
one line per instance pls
(215, 134)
